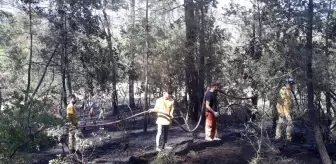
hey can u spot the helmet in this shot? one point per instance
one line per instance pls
(290, 81)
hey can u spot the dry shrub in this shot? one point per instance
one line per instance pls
(165, 158)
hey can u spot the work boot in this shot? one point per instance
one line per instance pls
(168, 147)
(208, 139)
(217, 139)
(158, 149)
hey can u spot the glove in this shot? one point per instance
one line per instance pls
(216, 114)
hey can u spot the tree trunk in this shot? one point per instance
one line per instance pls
(209, 57)
(328, 100)
(114, 71)
(131, 77)
(191, 75)
(201, 66)
(30, 54)
(131, 89)
(64, 92)
(259, 21)
(313, 113)
(0, 99)
(256, 51)
(63, 70)
(29, 67)
(146, 70)
(66, 57)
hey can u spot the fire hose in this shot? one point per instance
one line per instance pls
(144, 112)
(173, 119)
(141, 113)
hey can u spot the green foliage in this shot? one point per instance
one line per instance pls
(268, 44)
(21, 133)
(274, 30)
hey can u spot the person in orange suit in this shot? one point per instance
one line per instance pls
(211, 114)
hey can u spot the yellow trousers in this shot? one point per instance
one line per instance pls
(287, 121)
(72, 137)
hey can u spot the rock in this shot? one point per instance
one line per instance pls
(137, 160)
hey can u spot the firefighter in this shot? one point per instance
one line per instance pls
(284, 110)
(211, 114)
(165, 104)
(72, 119)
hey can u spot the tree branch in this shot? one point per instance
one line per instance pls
(27, 142)
(44, 72)
(240, 98)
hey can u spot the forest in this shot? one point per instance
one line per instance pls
(119, 56)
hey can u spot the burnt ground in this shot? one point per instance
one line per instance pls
(127, 143)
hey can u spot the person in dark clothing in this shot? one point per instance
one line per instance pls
(211, 113)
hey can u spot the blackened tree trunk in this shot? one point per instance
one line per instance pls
(209, 56)
(113, 62)
(190, 70)
(66, 57)
(313, 113)
(146, 70)
(131, 76)
(201, 70)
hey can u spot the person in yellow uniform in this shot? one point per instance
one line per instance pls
(284, 110)
(72, 119)
(164, 104)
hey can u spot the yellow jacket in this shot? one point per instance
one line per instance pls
(164, 106)
(71, 110)
(284, 103)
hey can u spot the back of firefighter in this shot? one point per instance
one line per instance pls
(284, 110)
(72, 119)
